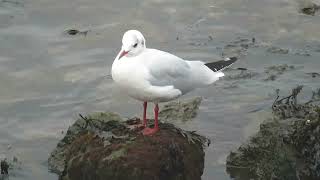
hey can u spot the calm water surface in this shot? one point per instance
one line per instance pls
(48, 77)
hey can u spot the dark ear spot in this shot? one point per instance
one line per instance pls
(135, 45)
(142, 42)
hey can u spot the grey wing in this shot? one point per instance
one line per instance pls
(170, 72)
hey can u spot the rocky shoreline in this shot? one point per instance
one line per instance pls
(287, 147)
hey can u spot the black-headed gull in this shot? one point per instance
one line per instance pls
(151, 75)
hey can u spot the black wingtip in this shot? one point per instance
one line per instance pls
(221, 65)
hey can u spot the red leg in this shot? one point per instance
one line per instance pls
(156, 113)
(145, 114)
(150, 131)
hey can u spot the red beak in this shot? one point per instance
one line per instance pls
(123, 53)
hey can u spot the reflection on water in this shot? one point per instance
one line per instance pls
(48, 77)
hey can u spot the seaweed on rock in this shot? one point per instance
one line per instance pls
(103, 146)
(287, 145)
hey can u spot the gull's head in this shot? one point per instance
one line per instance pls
(133, 43)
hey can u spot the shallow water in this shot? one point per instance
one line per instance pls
(47, 77)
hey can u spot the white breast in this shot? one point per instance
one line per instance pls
(133, 77)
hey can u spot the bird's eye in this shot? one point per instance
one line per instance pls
(135, 45)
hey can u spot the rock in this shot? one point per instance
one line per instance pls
(178, 110)
(10, 166)
(287, 146)
(277, 50)
(309, 8)
(13, 2)
(76, 32)
(279, 69)
(302, 53)
(273, 72)
(270, 73)
(242, 74)
(15, 159)
(271, 77)
(58, 156)
(238, 47)
(242, 69)
(314, 74)
(198, 44)
(4, 166)
(103, 146)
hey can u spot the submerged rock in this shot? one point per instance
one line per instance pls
(287, 147)
(242, 74)
(239, 47)
(10, 165)
(277, 50)
(4, 166)
(103, 146)
(76, 32)
(314, 74)
(178, 110)
(279, 69)
(274, 71)
(309, 8)
(271, 73)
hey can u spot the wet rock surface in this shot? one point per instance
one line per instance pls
(309, 8)
(73, 32)
(4, 167)
(241, 74)
(277, 50)
(242, 46)
(314, 74)
(273, 72)
(9, 166)
(103, 146)
(287, 145)
(177, 110)
(270, 73)
(239, 47)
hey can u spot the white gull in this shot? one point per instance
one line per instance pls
(151, 75)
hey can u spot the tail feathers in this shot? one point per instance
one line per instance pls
(221, 65)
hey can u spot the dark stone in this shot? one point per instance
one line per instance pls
(277, 50)
(314, 74)
(309, 9)
(76, 32)
(242, 69)
(72, 31)
(103, 146)
(4, 167)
